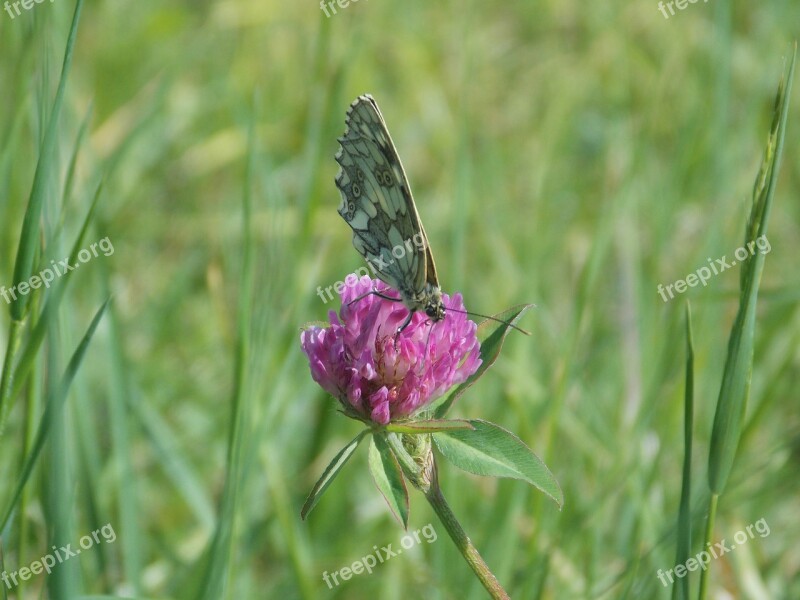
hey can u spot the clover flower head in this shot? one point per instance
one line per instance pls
(381, 376)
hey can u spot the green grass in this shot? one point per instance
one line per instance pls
(570, 155)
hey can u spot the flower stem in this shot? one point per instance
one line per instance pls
(463, 543)
(424, 476)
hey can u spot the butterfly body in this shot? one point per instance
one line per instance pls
(378, 205)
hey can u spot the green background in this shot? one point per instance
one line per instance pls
(570, 154)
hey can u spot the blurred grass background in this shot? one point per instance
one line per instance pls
(567, 154)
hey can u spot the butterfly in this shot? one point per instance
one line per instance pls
(378, 205)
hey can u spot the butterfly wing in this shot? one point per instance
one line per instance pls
(377, 202)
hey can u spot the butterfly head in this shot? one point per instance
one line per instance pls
(432, 302)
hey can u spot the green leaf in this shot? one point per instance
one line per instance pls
(489, 449)
(330, 473)
(491, 334)
(388, 477)
(429, 426)
(735, 388)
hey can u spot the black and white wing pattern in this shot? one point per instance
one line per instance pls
(378, 205)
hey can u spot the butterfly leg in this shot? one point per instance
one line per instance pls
(390, 299)
(402, 327)
(405, 324)
(376, 293)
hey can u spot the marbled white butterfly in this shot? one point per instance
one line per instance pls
(378, 205)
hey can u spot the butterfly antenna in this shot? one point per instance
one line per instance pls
(474, 314)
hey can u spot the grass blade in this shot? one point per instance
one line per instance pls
(220, 550)
(735, 387)
(55, 400)
(50, 309)
(29, 236)
(680, 590)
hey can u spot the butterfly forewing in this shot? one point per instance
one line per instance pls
(378, 205)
